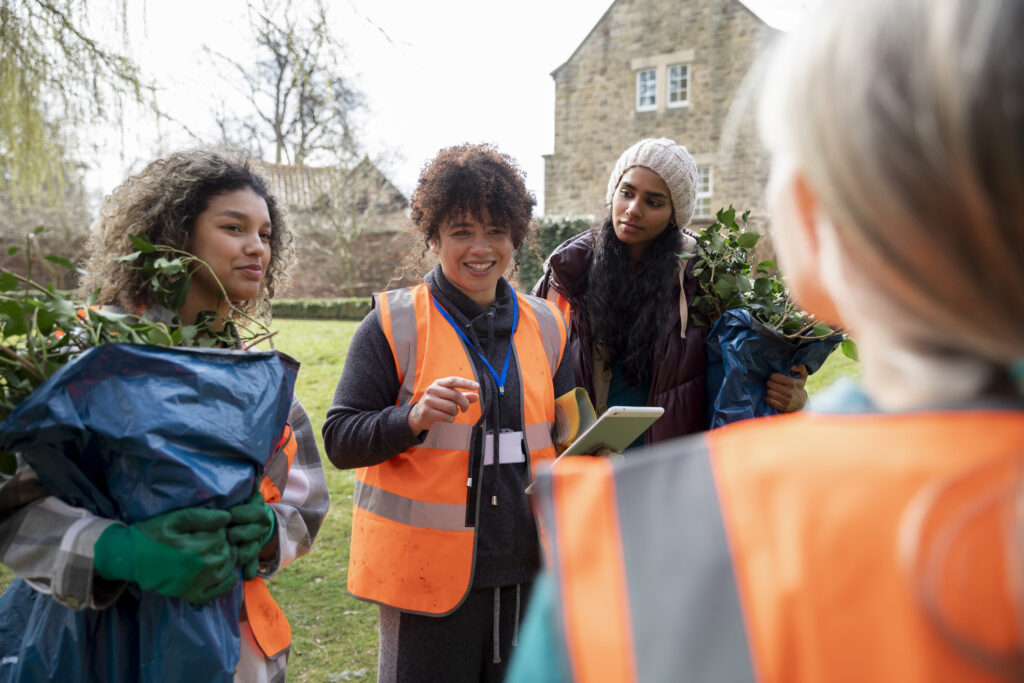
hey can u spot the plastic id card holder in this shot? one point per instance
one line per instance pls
(510, 448)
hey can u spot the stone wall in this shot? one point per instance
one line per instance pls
(595, 100)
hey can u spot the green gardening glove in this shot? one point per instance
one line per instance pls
(183, 554)
(252, 527)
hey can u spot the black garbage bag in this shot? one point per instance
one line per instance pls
(742, 353)
(129, 432)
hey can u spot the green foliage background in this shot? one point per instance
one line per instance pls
(548, 234)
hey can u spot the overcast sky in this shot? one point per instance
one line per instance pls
(434, 73)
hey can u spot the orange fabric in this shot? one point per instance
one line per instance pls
(269, 625)
(267, 487)
(810, 501)
(592, 575)
(414, 568)
(561, 303)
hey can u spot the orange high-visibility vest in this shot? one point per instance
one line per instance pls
(269, 625)
(411, 548)
(799, 548)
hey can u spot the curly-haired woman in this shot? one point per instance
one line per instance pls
(218, 209)
(633, 342)
(446, 406)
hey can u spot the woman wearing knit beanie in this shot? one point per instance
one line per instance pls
(626, 292)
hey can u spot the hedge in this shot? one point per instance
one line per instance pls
(548, 234)
(352, 308)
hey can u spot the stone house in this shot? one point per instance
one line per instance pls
(348, 225)
(683, 69)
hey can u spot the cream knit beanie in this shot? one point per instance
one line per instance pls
(670, 161)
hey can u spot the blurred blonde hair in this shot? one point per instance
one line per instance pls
(906, 119)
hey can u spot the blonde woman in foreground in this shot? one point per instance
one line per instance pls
(880, 544)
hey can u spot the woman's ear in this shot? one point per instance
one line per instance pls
(432, 243)
(798, 220)
(805, 203)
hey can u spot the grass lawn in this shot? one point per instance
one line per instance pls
(334, 635)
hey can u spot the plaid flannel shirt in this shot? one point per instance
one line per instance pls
(50, 543)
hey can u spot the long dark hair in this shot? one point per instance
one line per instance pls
(628, 315)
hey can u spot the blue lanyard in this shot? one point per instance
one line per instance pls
(500, 380)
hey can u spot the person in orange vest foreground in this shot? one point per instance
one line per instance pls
(219, 210)
(446, 406)
(875, 537)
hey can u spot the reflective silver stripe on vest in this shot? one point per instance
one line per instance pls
(450, 436)
(455, 436)
(538, 435)
(440, 516)
(403, 336)
(683, 599)
(549, 331)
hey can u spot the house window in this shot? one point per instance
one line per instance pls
(678, 85)
(703, 207)
(646, 90)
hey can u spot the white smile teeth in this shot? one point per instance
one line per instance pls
(479, 268)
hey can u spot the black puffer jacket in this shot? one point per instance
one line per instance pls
(678, 366)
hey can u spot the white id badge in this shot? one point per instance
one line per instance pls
(510, 448)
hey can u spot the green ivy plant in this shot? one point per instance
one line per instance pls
(728, 277)
(43, 328)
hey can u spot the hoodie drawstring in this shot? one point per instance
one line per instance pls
(497, 622)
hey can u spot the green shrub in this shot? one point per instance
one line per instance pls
(352, 308)
(551, 231)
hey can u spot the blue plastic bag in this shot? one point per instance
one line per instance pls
(742, 353)
(129, 432)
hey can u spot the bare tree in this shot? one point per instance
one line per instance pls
(55, 77)
(301, 105)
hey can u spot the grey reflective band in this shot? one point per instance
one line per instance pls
(402, 311)
(538, 435)
(277, 468)
(391, 506)
(684, 603)
(549, 332)
(450, 436)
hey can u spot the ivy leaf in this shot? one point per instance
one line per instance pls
(15, 325)
(849, 349)
(169, 266)
(749, 239)
(11, 251)
(822, 330)
(727, 217)
(762, 286)
(743, 284)
(8, 281)
(142, 243)
(128, 258)
(179, 293)
(60, 261)
(40, 229)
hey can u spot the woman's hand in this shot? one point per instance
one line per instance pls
(442, 401)
(786, 394)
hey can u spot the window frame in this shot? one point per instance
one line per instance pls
(668, 85)
(654, 90)
(703, 194)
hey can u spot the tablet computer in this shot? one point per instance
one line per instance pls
(617, 427)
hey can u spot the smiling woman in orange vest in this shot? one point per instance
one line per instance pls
(875, 537)
(446, 407)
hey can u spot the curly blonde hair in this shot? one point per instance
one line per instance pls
(162, 203)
